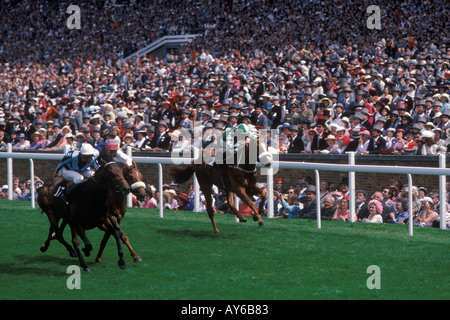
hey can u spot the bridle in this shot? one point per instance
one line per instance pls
(138, 184)
(117, 188)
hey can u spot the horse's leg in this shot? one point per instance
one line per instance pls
(234, 210)
(206, 188)
(125, 239)
(76, 246)
(255, 190)
(209, 208)
(240, 192)
(56, 233)
(87, 244)
(102, 245)
(46, 244)
(116, 235)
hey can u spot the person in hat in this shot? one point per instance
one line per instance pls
(309, 210)
(162, 139)
(183, 202)
(429, 146)
(295, 141)
(332, 145)
(319, 143)
(127, 141)
(36, 143)
(363, 142)
(260, 119)
(410, 146)
(377, 141)
(342, 211)
(69, 143)
(22, 143)
(185, 121)
(141, 141)
(4, 192)
(426, 214)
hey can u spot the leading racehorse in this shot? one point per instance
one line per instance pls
(239, 179)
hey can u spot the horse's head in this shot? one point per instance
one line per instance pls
(262, 150)
(111, 176)
(134, 178)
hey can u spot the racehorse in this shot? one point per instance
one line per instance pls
(239, 179)
(134, 178)
(91, 207)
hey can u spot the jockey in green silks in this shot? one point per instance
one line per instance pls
(235, 138)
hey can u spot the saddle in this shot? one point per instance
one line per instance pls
(64, 189)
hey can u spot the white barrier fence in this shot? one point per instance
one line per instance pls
(351, 168)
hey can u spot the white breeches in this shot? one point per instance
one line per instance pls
(123, 158)
(74, 176)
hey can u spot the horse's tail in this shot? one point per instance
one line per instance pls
(181, 174)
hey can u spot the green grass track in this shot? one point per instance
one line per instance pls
(184, 259)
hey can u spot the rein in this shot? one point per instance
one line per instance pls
(115, 188)
(243, 170)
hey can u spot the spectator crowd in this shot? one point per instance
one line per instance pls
(311, 70)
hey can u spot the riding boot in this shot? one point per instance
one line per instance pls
(69, 190)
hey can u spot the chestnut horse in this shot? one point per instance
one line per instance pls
(239, 179)
(91, 207)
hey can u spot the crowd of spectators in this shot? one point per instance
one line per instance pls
(311, 70)
(388, 205)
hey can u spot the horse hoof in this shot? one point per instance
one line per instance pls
(87, 252)
(43, 248)
(98, 260)
(262, 223)
(242, 219)
(72, 254)
(137, 259)
(121, 264)
(87, 270)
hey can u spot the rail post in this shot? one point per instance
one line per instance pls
(351, 186)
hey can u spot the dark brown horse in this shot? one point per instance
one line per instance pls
(90, 207)
(239, 179)
(133, 177)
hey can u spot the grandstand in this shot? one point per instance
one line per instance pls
(311, 70)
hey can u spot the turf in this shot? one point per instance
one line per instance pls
(184, 259)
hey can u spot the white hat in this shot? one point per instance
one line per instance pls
(87, 149)
(427, 199)
(427, 134)
(5, 187)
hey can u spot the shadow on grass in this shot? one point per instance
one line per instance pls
(206, 234)
(36, 264)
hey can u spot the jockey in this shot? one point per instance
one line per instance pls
(235, 138)
(111, 147)
(76, 166)
(112, 150)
